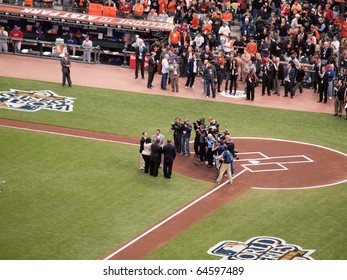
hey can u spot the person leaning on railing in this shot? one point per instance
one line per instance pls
(3, 39)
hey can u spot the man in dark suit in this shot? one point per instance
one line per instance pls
(65, 68)
(323, 85)
(140, 52)
(155, 159)
(289, 76)
(152, 65)
(169, 157)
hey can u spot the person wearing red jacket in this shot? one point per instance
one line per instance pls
(125, 8)
(328, 13)
(16, 33)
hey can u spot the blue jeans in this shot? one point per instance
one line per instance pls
(210, 86)
(164, 80)
(185, 149)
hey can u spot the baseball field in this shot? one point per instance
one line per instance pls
(71, 188)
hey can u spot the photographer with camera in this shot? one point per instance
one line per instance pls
(197, 125)
(202, 142)
(186, 130)
(177, 133)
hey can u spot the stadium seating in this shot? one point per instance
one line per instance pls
(95, 9)
(109, 11)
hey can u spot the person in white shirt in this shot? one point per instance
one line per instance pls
(224, 32)
(165, 66)
(199, 41)
(335, 44)
(87, 46)
(3, 39)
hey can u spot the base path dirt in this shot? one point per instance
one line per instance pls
(263, 163)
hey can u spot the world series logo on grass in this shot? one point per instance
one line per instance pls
(260, 248)
(33, 101)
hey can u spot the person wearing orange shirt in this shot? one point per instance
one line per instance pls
(195, 22)
(171, 8)
(252, 48)
(206, 28)
(343, 28)
(162, 5)
(227, 17)
(138, 9)
(174, 38)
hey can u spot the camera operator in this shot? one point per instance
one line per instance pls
(202, 142)
(186, 130)
(197, 125)
(177, 133)
(217, 151)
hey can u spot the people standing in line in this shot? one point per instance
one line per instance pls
(331, 75)
(3, 39)
(266, 77)
(289, 76)
(234, 66)
(277, 74)
(155, 158)
(300, 75)
(340, 95)
(210, 76)
(192, 71)
(165, 66)
(169, 157)
(146, 154)
(323, 85)
(16, 33)
(140, 53)
(226, 159)
(142, 142)
(65, 68)
(251, 80)
(173, 75)
(152, 66)
(220, 70)
(87, 45)
(186, 131)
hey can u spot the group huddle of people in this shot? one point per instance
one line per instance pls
(211, 147)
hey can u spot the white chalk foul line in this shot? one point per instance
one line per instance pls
(170, 217)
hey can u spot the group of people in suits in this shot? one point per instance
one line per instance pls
(152, 150)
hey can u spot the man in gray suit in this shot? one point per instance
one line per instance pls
(65, 68)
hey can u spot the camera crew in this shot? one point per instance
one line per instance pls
(197, 125)
(177, 133)
(202, 142)
(186, 130)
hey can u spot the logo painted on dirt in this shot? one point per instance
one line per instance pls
(260, 248)
(33, 101)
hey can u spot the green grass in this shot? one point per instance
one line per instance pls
(313, 219)
(67, 198)
(70, 198)
(129, 113)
